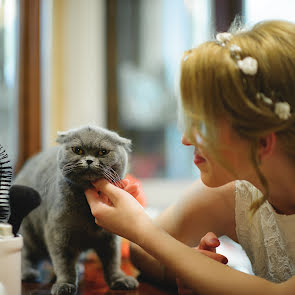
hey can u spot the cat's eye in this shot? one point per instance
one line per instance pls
(102, 152)
(78, 150)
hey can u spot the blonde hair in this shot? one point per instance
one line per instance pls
(213, 87)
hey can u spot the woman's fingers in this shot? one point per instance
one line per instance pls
(209, 242)
(208, 245)
(124, 182)
(105, 187)
(100, 183)
(218, 257)
(99, 203)
(92, 196)
(133, 189)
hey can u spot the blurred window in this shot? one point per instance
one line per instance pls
(150, 39)
(9, 76)
(268, 9)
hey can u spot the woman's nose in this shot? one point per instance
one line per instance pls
(185, 141)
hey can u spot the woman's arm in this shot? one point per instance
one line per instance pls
(205, 275)
(200, 210)
(127, 218)
(153, 270)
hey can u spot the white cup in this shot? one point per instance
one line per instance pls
(10, 264)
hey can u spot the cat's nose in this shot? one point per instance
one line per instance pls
(89, 162)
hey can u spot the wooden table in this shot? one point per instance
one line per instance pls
(92, 281)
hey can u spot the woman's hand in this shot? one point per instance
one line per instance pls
(207, 246)
(131, 188)
(117, 210)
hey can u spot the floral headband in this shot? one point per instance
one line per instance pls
(249, 66)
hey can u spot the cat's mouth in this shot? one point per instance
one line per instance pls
(93, 178)
(88, 174)
(91, 174)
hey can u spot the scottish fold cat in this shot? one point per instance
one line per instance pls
(62, 226)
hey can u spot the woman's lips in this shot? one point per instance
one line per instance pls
(198, 159)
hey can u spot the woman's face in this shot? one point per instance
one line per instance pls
(232, 149)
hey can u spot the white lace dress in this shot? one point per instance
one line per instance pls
(269, 239)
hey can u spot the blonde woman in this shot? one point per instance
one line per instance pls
(238, 98)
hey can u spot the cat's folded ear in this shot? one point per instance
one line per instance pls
(125, 142)
(62, 136)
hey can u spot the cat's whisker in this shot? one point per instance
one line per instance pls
(114, 172)
(115, 176)
(109, 176)
(69, 167)
(79, 164)
(66, 167)
(115, 180)
(106, 173)
(67, 170)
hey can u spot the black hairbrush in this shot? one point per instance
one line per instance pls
(16, 201)
(5, 182)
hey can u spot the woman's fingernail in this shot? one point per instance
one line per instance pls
(214, 241)
(224, 260)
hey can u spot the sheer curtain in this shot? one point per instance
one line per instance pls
(255, 11)
(9, 44)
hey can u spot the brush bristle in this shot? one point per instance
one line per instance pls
(5, 183)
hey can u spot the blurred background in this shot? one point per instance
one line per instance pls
(115, 63)
(65, 63)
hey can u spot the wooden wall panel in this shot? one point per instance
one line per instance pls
(29, 80)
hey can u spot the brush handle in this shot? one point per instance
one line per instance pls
(23, 200)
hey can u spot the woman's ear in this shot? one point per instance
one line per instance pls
(266, 145)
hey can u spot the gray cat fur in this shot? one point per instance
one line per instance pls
(62, 226)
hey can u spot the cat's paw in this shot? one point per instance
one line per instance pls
(123, 283)
(31, 275)
(63, 289)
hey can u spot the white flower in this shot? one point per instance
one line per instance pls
(235, 48)
(259, 95)
(282, 109)
(267, 100)
(248, 65)
(223, 37)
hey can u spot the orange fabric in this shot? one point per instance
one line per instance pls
(125, 251)
(141, 197)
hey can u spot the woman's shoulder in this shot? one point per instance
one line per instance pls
(201, 209)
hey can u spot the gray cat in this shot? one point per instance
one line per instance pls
(62, 226)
